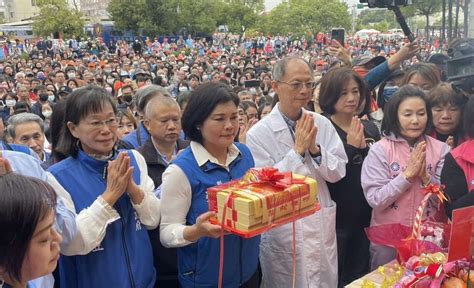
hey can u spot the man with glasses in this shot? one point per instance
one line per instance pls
(293, 139)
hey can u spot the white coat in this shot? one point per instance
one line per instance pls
(271, 144)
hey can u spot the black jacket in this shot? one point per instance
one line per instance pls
(165, 259)
(353, 211)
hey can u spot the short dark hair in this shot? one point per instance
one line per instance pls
(427, 70)
(202, 102)
(79, 104)
(24, 202)
(469, 118)
(444, 94)
(390, 122)
(332, 84)
(56, 125)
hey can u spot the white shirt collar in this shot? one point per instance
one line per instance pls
(202, 155)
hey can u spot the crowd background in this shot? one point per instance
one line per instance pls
(358, 117)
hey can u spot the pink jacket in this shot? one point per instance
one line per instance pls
(392, 197)
(464, 156)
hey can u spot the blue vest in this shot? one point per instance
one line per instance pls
(17, 148)
(124, 258)
(198, 263)
(137, 137)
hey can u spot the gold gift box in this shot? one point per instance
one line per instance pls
(254, 205)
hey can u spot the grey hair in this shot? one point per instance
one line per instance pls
(23, 118)
(244, 92)
(20, 74)
(280, 67)
(156, 101)
(144, 95)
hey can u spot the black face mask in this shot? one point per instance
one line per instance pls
(43, 97)
(127, 98)
(228, 74)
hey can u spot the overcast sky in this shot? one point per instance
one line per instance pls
(269, 4)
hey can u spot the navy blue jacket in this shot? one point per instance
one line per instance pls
(124, 258)
(198, 263)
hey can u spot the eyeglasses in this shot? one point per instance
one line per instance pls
(297, 86)
(99, 125)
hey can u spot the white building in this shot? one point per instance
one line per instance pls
(94, 8)
(17, 10)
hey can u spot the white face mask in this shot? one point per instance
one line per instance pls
(10, 102)
(110, 81)
(71, 75)
(47, 113)
(51, 98)
(183, 89)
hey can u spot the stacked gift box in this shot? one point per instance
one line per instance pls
(261, 200)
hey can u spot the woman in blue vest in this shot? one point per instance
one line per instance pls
(112, 194)
(211, 122)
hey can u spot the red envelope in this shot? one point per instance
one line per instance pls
(460, 244)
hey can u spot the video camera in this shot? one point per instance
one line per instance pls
(461, 65)
(385, 3)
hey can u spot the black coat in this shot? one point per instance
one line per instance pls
(165, 259)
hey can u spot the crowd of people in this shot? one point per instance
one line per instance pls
(108, 149)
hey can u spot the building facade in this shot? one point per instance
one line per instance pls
(18, 10)
(94, 8)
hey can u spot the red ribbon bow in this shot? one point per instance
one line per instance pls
(273, 177)
(437, 190)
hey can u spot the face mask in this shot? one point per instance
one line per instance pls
(71, 75)
(183, 88)
(110, 81)
(10, 103)
(107, 71)
(51, 98)
(127, 98)
(43, 97)
(253, 91)
(228, 74)
(47, 113)
(388, 91)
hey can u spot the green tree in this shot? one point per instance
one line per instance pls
(154, 17)
(427, 8)
(303, 16)
(239, 15)
(369, 17)
(127, 14)
(55, 16)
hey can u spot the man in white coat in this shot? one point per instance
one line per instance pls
(293, 139)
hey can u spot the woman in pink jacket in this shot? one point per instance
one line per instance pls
(399, 165)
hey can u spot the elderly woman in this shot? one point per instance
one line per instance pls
(446, 107)
(211, 122)
(112, 192)
(458, 171)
